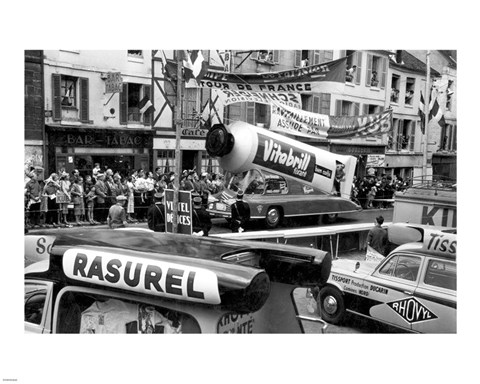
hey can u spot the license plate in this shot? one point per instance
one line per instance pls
(221, 207)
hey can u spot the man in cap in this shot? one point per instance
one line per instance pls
(202, 223)
(117, 217)
(100, 204)
(156, 212)
(240, 213)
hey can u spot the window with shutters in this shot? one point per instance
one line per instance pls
(395, 92)
(346, 108)
(354, 67)
(406, 135)
(319, 103)
(131, 98)
(68, 89)
(267, 56)
(409, 90)
(376, 71)
(70, 98)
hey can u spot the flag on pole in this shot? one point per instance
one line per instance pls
(194, 64)
(436, 113)
(145, 105)
(421, 113)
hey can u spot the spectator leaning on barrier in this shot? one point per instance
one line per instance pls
(33, 194)
(50, 190)
(100, 203)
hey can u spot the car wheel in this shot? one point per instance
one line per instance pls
(331, 305)
(330, 218)
(273, 217)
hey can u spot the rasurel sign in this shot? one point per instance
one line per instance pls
(148, 276)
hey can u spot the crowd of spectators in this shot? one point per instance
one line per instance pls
(376, 191)
(67, 199)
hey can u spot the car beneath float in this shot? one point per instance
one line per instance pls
(272, 198)
(118, 281)
(414, 288)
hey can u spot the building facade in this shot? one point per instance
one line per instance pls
(34, 146)
(87, 119)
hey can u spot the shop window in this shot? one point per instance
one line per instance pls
(166, 161)
(91, 313)
(409, 91)
(210, 164)
(395, 91)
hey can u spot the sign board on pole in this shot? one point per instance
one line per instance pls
(184, 211)
(376, 161)
(114, 82)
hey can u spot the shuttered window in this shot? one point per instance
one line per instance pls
(369, 69)
(325, 103)
(147, 116)
(56, 98)
(124, 104)
(298, 58)
(358, 74)
(84, 100)
(251, 113)
(383, 72)
(412, 135)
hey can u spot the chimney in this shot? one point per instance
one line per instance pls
(399, 56)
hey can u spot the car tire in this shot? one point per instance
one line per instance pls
(331, 305)
(329, 218)
(273, 218)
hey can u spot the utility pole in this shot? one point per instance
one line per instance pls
(427, 112)
(178, 131)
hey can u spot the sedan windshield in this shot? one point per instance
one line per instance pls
(251, 181)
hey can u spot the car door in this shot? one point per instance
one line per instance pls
(392, 287)
(437, 292)
(38, 306)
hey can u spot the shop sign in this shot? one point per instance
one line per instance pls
(376, 161)
(113, 83)
(103, 139)
(198, 132)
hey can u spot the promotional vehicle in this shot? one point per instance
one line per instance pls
(414, 288)
(138, 281)
(281, 177)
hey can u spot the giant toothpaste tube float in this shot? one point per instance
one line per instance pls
(242, 146)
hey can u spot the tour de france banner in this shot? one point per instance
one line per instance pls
(311, 78)
(228, 97)
(184, 212)
(294, 121)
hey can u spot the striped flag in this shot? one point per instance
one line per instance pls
(421, 113)
(195, 66)
(145, 105)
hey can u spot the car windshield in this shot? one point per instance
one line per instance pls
(251, 181)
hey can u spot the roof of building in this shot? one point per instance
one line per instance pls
(410, 62)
